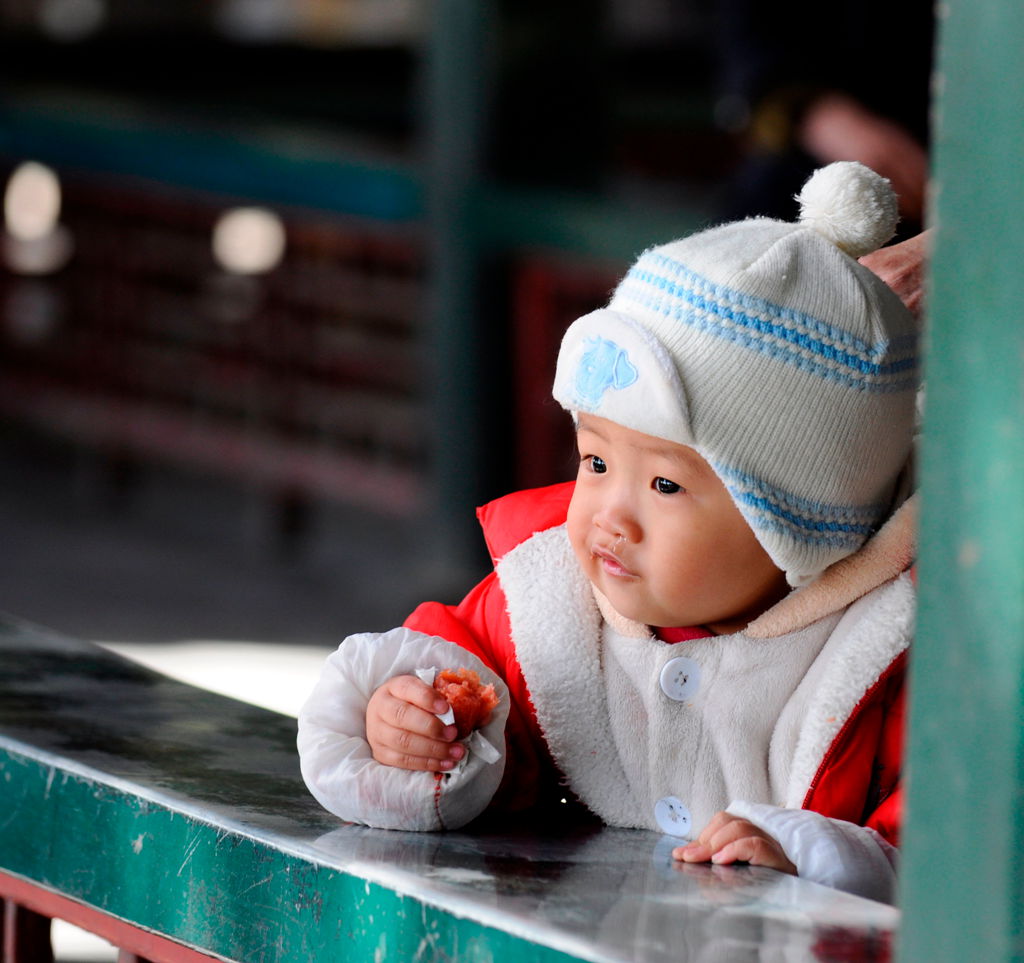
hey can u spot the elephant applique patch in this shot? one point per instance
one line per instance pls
(604, 365)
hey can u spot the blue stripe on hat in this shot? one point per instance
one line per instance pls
(810, 522)
(763, 306)
(854, 365)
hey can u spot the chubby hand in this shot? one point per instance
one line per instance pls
(729, 839)
(403, 730)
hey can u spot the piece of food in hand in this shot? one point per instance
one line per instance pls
(470, 701)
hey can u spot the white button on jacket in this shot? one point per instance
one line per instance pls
(680, 678)
(672, 816)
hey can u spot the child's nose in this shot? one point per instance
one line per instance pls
(616, 519)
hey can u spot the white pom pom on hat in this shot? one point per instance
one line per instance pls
(851, 206)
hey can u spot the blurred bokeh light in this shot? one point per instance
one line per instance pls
(31, 201)
(34, 241)
(71, 20)
(249, 240)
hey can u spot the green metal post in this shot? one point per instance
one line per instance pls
(455, 90)
(963, 885)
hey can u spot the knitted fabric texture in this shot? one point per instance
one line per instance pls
(791, 368)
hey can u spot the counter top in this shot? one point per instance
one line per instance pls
(184, 812)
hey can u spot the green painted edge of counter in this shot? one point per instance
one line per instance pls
(215, 889)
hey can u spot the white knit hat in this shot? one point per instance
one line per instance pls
(766, 347)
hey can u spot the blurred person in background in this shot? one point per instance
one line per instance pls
(807, 83)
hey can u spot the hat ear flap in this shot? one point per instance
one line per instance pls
(613, 367)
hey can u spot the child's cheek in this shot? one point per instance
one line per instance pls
(577, 530)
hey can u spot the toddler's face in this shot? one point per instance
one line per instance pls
(655, 530)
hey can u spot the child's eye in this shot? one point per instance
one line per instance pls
(597, 464)
(666, 487)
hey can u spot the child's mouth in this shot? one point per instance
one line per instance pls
(611, 563)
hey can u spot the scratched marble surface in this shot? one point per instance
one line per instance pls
(594, 893)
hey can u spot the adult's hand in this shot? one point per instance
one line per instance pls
(903, 267)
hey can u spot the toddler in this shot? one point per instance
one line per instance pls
(703, 634)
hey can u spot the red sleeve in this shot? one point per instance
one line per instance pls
(860, 780)
(480, 625)
(886, 817)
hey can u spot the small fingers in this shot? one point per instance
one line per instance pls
(410, 689)
(709, 840)
(728, 839)
(413, 719)
(412, 742)
(756, 850)
(413, 752)
(715, 825)
(403, 730)
(407, 704)
(693, 853)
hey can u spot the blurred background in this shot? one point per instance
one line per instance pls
(282, 281)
